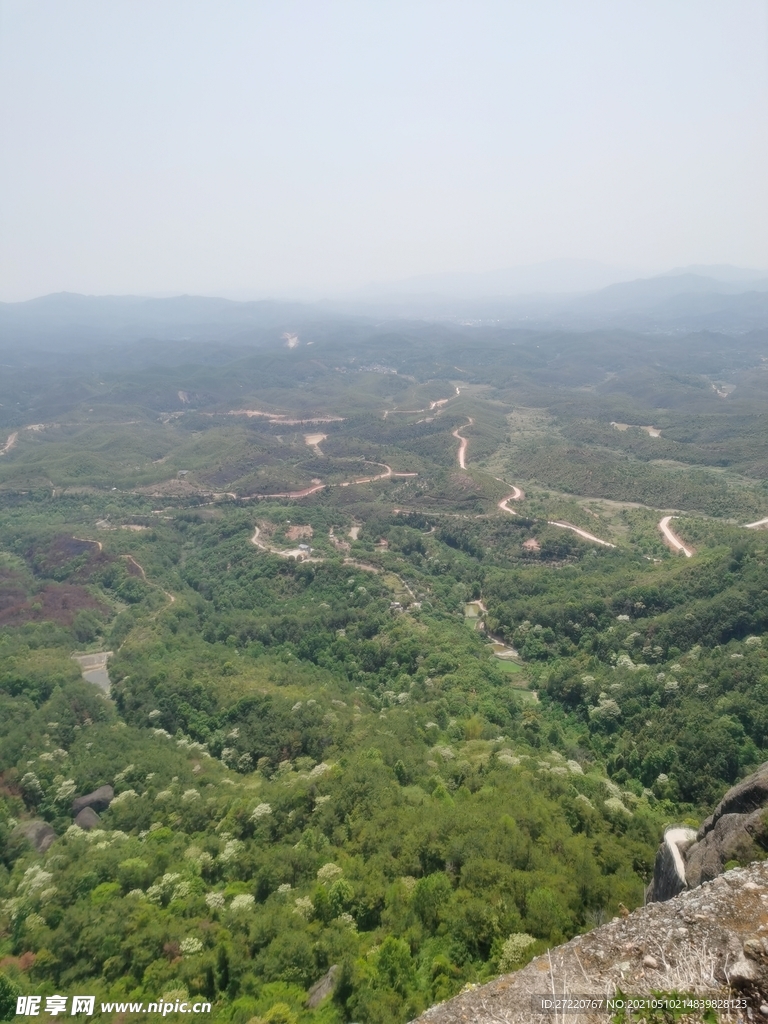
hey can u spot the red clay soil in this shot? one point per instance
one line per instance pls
(12, 589)
(56, 602)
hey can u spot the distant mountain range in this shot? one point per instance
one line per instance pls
(67, 320)
(719, 298)
(553, 277)
(561, 294)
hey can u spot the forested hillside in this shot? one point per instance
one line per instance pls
(371, 719)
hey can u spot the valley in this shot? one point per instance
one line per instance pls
(422, 662)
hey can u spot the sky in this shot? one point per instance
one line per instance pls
(303, 148)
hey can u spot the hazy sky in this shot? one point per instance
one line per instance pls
(273, 147)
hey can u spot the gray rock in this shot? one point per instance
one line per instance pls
(743, 798)
(38, 833)
(736, 831)
(87, 819)
(731, 837)
(724, 935)
(323, 987)
(743, 973)
(99, 800)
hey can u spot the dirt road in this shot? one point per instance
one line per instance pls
(755, 526)
(436, 406)
(581, 533)
(303, 556)
(516, 495)
(292, 494)
(671, 539)
(296, 553)
(12, 438)
(129, 558)
(463, 446)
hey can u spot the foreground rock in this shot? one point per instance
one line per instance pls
(736, 831)
(701, 941)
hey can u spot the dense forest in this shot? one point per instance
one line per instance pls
(377, 726)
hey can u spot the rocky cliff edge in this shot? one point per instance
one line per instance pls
(711, 940)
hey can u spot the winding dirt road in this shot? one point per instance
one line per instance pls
(581, 533)
(291, 494)
(129, 558)
(388, 472)
(437, 405)
(671, 539)
(755, 526)
(463, 446)
(12, 438)
(302, 556)
(296, 553)
(516, 495)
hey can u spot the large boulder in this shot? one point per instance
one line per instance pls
(743, 798)
(736, 831)
(38, 833)
(99, 800)
(87, 819)
(732, 837)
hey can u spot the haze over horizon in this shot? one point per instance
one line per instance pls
(301, 151)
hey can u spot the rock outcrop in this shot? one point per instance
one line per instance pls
(87, 819)
(38, 833)
(99, 800)
(323, 988)
(712, 941)
(736, 831)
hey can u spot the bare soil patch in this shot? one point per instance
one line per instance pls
(298, 532)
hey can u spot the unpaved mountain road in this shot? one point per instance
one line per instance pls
(297, 553)
(388, 472)
(581, 533)
(433, 406)
(289, 494)
(12, 439)
(305, 493)
(516, 495)
(461, 454)
(671, 539)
